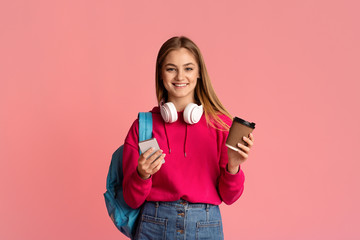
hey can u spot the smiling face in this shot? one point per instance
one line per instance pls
(179, 74)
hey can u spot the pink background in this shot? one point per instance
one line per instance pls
(74, 75)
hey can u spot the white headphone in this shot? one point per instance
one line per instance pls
(192, 113)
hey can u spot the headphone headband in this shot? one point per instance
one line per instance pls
(192, 113)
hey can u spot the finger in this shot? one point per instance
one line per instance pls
(243, 147)
(157, 160)
(248, 141)
(141, 159)
(158, 163)
(154, 156)
(244, 155)
(251, 136)
(148, 152)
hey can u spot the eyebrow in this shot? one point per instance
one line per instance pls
(171, 64)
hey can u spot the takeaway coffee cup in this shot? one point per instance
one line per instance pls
(238, 129)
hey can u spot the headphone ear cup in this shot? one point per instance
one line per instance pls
(193, 113)
(168, 112)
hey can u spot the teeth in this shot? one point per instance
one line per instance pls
(180, 85)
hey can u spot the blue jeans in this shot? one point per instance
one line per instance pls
(179, 220)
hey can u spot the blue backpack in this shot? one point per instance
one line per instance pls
(123, 216)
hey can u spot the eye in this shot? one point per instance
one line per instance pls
(170, 69)
(188, 69)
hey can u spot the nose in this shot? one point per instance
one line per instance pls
(181, 75)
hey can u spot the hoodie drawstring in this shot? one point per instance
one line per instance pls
(167, 139)
(185, 140)
(168, 142)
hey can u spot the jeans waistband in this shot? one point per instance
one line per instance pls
(183, 203)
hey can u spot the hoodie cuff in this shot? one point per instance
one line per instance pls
(141, 186)
(231, 186)
(140, 180)
(233, 177)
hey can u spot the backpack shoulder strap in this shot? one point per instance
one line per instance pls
(145, 126)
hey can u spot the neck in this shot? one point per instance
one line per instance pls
(181, 103)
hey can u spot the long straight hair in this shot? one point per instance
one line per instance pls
(204, 92)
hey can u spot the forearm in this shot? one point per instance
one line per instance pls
(136, 189)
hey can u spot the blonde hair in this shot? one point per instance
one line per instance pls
(204, 92)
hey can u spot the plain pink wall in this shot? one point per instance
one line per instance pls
(74, 74)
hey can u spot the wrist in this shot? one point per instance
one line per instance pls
(233, 169)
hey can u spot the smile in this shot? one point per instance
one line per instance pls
(180, 85)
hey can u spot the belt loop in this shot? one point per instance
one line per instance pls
(156, 208)
(207, 212)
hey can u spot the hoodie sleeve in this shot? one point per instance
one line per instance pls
(231, 186)
(135, 189)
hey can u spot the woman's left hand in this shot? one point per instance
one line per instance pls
(238, 157)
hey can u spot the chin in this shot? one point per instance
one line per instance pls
(184, 95)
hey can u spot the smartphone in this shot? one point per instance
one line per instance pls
(147, 144)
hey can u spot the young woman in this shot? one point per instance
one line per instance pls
(180, 197)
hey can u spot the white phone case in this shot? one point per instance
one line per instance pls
(147, 144)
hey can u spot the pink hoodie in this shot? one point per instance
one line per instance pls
(194, 168)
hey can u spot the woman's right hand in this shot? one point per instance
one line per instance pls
(147, 167)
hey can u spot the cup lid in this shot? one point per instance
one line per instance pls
(246, 123)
